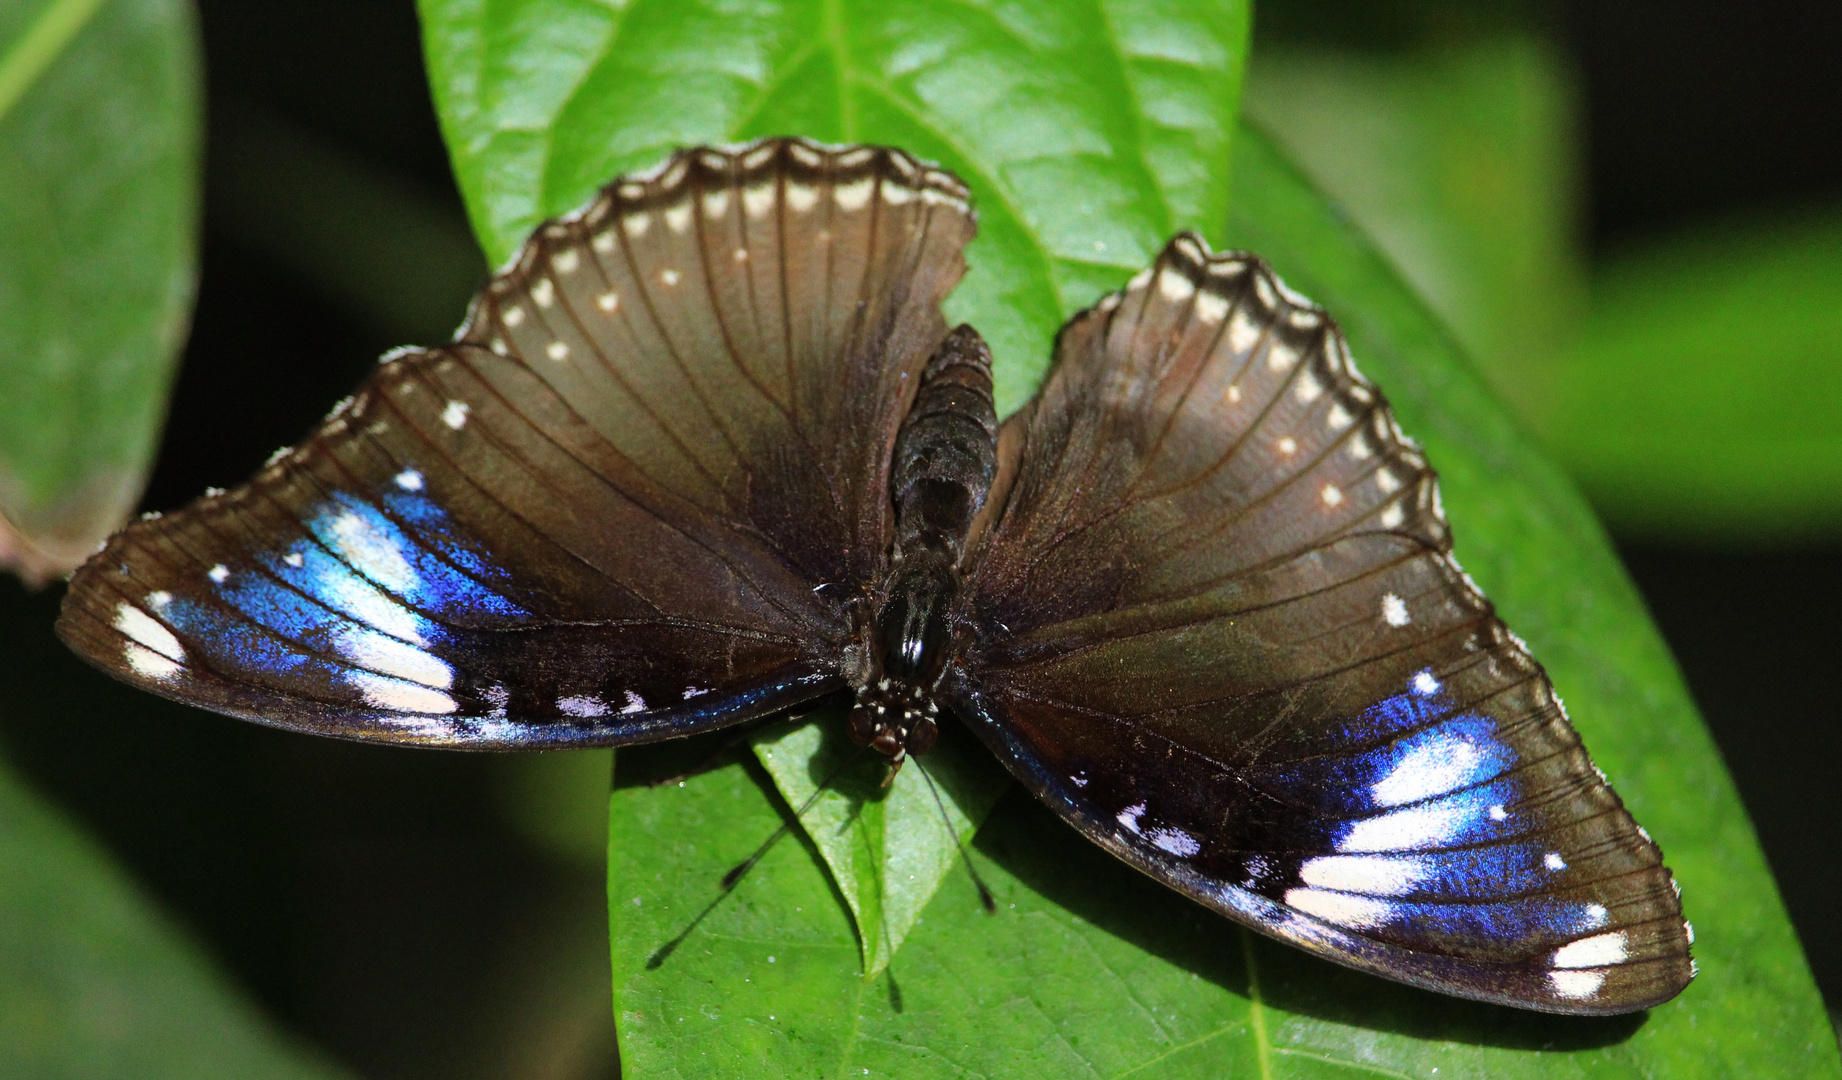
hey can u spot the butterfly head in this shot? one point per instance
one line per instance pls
(896, 718)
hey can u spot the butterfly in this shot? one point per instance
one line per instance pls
(707, 450)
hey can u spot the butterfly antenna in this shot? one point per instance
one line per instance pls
(991, 906)
(740, 870)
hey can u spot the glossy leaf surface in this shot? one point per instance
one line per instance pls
(888, 849)
(99, 119)
(1102, 972)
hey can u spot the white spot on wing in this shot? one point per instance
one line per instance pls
(1431, 768)
(608, 301)
(678, 218)
(1130, 815)
(1406, 830)
(669, 276)
(1211, 308)
(1424, 683)
(1355, 912)
(455, 415)
(635, 703)
(409, 480)
(1332, 494)
(1175, 841)
(896, 195)
(695, 691)
(1600, 950)
(543, 292)
(1280, 356)
(150, 633)
(582, 706)
(1376, 875)
(219, 573)
(636, 224)
(513, 316)
(1174, 286)
(386, 693)
(1288, 445)
(1499, 813)
(1576, 984)
(1242, 333)
(372, 553)
(716, 204)
(854, 195)
(386, 655)
(567, 260)
(1553, 861)
(802, 197)
(557, 350)
(293, 558)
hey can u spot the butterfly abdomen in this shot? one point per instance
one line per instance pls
(944, 460)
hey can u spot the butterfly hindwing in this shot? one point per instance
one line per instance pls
(1230, 643)
(609, 511)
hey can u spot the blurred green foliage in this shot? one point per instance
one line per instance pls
(99, 119)
(94, 985)
(1689, 384)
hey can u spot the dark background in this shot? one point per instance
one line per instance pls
(381, 904)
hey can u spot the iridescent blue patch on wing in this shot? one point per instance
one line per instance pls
(1477, 815)
(232, 640)
(1461, 874)
(427, 517)
(379, 549)
(1446, 753)
(1532, 919)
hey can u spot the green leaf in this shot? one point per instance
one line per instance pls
(1089, 969)
(99, 119)
(888, 848)
(1096, 970)
(1458, 161)
(1089, 133)
(94, 983)
(1701, 398)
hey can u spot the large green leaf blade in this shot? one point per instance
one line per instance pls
(1088, 132)
(93, 983)
(1089, 969)
(1099, 972)
(99, 120)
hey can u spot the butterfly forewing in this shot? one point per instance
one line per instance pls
(602, 514)
(1230, 643)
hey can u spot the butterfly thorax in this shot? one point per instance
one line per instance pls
(942, 467)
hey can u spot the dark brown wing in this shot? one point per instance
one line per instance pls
(1221, 631)
(608, 511)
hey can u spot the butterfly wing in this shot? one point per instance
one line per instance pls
(609, 511)
(1223, 634)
